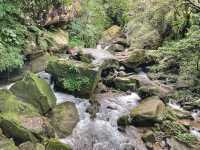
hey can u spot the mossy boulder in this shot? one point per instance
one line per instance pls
(111, 33)
(63, 118)
(31, 146)
(35, 91)
(75, 77)
(58, 40)
(10, 103)
(148, 112)
(21, 121)
(54, 144)
(138, 58)
(125, 83)
(24, 128)
(143, 35)
(6, 144)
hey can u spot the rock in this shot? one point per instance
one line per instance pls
(31, 146)
(35, 91)
(58, 40)
(125, 84)
(176, 145)
(148, 112)
(6, 144)
(54, 144)
(149, 137)
(24, 128)
(121, 41)
(38, 64)
(143, 35)
(64, 118)
(116, 48)
(20, 120)
(10, 103)
(111, 33)
(123, 121)
(137, 58)
(142, 84)
(75, 77)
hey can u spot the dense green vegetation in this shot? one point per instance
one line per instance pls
(85, 31)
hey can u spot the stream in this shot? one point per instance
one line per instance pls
(100, 133)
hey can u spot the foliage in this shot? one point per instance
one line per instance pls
(186, 138)
(86, 30)
(74, 81)
(97, 15)
(117, 11)
(12, 36)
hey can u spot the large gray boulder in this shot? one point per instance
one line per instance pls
(148, 112)
(35, 91)
(64, 118)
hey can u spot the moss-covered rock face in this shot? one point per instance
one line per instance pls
(57, 40)
(20, 120)
(63, 118)
(148, 112)
(24, 128)
(54, 144)
(125, 83)
(111, 33)
(35, 91)
(6, 144)
(31, 146)
(78, 78)
(139, 57)
(10, 103)
(149, 22)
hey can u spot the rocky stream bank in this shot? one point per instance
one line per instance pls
(97, 99)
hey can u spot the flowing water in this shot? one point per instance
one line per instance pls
(100, 133)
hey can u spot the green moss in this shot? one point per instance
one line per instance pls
(54, 144)
(187, 138)
(10, 103)
(10, 124)
(38, 92)
(78, 78)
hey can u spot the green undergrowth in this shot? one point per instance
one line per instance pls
(74, 80)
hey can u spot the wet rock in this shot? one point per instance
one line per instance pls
(149, 137)
(123, 121)
(24, 128)
(116, 48)
(75, 77)
(135, 58)
(148, 112)
(143, 85)
(54, 144)
(6, 144)
(31, 146)
(64, 118)
(35, 91)
(176, 145)
(125, 84)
